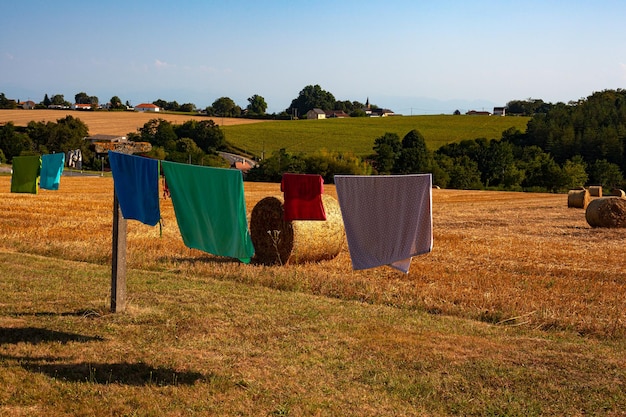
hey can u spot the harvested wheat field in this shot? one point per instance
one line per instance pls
(518, 310)
(502, 257)
(110, 122)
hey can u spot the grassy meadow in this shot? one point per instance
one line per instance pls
(262, 137)
(357, 135)
(517, 311)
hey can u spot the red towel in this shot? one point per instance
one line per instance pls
(303, 196)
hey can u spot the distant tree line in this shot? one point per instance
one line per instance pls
(565, 146)
(195, 142)
(38, 138)
(322, 162)
(310, 97)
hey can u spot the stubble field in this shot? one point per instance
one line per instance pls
(110, 123)
(518, 310)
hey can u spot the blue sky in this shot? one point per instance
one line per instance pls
(413, 56)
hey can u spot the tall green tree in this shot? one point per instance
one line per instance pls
(497, 163)
(159, 132)
(387, 150)
(605, 173)
(5, 103)
(160, 103)
(256, 105)
(272, 168)
(82, 98)
(414, 156)
(465, 174)
(575, 172)
(12, 142)
(187, 107)
(311, 97)
(116, 103)
(226, 107)
(59, 100)
(541, 171)
(205, 133)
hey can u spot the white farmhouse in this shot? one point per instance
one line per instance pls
(147, 107)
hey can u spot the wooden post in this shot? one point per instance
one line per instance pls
(118, 250)
(118, 261)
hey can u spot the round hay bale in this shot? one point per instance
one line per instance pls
(595, 190)
(606, 212)
(279, 242)
(618, 193)
(578, 198)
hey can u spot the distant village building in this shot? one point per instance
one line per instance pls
(381, 113)
(81, 106)
(378, 112)
(336, 114)
(147, 107)
(27, 105)
(499, 111)
(478, 113)
(316, 114)
(105, 138)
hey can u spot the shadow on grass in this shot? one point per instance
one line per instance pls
(199, 260)
(78, 313)
(34, 335)
(136, 374)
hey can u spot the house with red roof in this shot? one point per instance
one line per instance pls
(145, 107)
(28, 105)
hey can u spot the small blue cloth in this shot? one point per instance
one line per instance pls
(51, 170)
(136, 182)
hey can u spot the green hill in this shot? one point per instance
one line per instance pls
(357, 135)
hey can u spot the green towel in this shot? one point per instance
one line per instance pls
(210, 209)
(25, 177)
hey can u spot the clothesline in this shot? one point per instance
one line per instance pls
(29, 173)
(387, 219)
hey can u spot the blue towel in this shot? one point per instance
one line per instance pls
(51, 170)
(136, 182)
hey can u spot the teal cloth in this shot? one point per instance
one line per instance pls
(210, 209)
(51, 170)
(25, 177)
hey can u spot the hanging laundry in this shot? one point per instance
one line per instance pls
(70, 159)
(75, 159)
(25, 176)
(51, 170)
(210, 209)
(136, 182)
(303, 196)
(387, 218)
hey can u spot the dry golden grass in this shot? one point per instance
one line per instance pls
(109, 123)
(501, 257)
(513, 281)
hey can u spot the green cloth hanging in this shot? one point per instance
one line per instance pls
(25, 177)
(210, 209)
